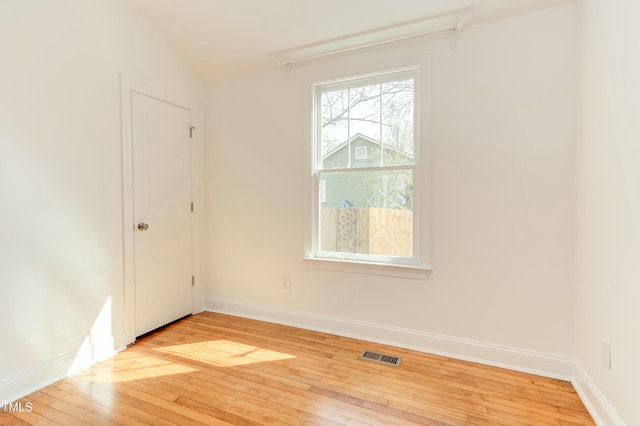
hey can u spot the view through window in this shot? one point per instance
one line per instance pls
(366, 168)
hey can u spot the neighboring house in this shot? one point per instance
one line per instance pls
(361, 189)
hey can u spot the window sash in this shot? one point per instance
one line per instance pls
(367, 169)
(350, 84)
(318, 252)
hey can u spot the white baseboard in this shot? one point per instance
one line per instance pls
(20, 385)
(539, 363)
(597, 404)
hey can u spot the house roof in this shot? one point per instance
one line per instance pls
(364, 137)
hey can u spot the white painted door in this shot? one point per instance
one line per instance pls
(162, 210)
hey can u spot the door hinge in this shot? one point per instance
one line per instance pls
(193, 280)
(191, 129)
(192, 207)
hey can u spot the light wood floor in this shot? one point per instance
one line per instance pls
(216, 369)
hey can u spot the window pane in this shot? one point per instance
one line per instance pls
(358, 120)
(364, 125)
(367, 212)
(334, 131)
(397, 122)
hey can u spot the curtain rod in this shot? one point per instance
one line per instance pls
(283, 62)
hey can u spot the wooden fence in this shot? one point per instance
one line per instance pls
(367, 230)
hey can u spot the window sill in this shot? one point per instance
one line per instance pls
(370, 268)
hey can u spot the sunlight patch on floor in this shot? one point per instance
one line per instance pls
(144, 367)
(224, 353)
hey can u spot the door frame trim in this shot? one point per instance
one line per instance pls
(127, 87)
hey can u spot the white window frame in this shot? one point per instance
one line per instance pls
(313, 252)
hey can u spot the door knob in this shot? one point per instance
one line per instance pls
(143, 226)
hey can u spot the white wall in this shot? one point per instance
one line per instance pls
(501, 138)
(61, 247)
(608, 226)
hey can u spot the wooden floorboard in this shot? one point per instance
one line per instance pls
(213, 369)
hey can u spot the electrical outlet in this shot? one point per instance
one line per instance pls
(286, 282)
(605, 353)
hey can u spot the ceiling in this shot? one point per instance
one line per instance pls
(221, 37)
